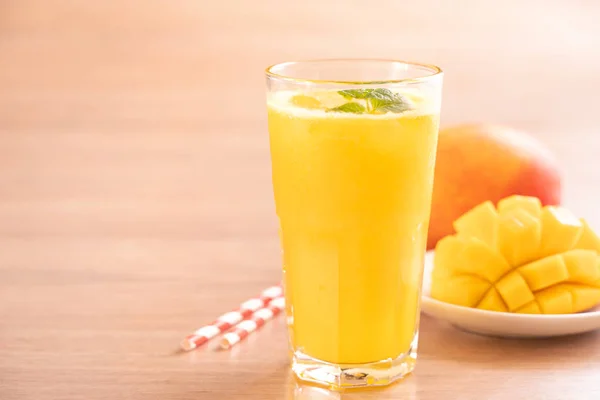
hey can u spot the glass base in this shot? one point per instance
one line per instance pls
(352, 376)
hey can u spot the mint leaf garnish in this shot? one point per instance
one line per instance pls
(356, 93)
(396, 107)
(355, 108)
(392, 102)
(377, 101)
(382, 94)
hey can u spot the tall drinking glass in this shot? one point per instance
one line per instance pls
(353, 146)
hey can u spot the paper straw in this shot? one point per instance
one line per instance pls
(230, 319)
(246, 327)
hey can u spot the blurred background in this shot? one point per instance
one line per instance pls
(133, 133)
(143, 117)
(134, 164)
(126, 122)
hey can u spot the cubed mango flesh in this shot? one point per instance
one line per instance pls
(530, 308)
(451, 246)
(582, 266)
(545, 272)
(588, 240)
(532, 205)
(492, 301)
(514, 290)
(520, 258)
(462, 290)
(479, 222)
(561, 230)
(519, 235)
(460, 256)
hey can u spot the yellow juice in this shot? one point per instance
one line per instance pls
(353, 195)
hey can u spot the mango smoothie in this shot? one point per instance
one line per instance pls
(353, 145)
(352, 193)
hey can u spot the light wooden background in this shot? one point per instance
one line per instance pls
(135, 198)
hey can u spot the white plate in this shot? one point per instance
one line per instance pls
(493, 323)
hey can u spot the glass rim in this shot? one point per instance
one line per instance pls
(433, 69)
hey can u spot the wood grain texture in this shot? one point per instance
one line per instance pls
(135, 198)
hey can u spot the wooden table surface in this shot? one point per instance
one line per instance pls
(135, 198)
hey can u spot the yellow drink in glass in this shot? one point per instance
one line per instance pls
(353, 195)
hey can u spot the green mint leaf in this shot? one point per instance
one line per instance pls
(356, 93)
(382, 94)
(355, 108)
(386, 101)
(378, 101)
(395, 106)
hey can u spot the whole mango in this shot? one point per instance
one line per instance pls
(476, 163)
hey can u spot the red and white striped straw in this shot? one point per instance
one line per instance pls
(246, 327)
(230, 319)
